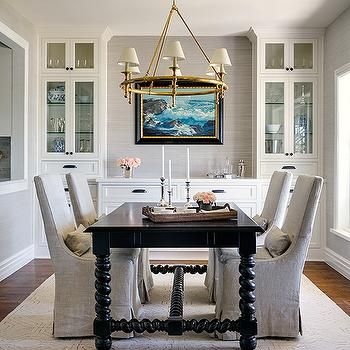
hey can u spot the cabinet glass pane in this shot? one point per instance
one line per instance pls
(274, 117)
(303, 56)
(56, 116)
(274, 56)
(303, 118)
(56, 55)
(84, 117)
(84, 55)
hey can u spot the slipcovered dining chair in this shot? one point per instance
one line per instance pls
(85, 214)
(279, 267)
(74, 306)
(273, 213)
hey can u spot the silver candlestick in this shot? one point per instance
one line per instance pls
(188, 192)
(162, 202)
(169, 194)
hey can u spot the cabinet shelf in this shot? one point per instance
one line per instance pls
(56, 104)
(56, 132)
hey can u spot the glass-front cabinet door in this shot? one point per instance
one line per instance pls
(303, 56)
(56, 56)
(274, 117)
(303, 117)
(56, 117)
(274, 59)
(84, 55)
(84, 116)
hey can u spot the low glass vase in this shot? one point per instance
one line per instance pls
(127, 172)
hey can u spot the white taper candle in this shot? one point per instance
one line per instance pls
(188, 165)
(163, 160)
(169, 183)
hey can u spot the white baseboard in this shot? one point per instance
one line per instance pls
(42, 252)
(16, 261)
(315, 254)
(338, 262)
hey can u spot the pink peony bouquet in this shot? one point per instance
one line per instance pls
(205, 197)
(129, 162)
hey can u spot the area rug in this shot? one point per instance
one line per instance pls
(29, 326)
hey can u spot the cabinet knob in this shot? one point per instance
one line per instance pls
(291, 69)
(67, 153)
(71, 68)
(286, 154)
(290, 154)
(287, 68)
(67, 68)
(71, 153)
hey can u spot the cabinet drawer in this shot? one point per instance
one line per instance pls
(228, 193)
(267, 168)
(60, 167)
(136, 193)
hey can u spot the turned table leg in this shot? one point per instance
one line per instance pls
(248, 324)
(102, 322)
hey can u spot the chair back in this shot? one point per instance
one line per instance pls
(57, 217)
(277, 197)
(83, 206)
(300, 217)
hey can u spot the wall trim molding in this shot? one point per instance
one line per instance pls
(337, 262)
(16, 261)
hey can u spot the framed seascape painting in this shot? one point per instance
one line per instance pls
(195, 119)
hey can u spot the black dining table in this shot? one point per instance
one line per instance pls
(126, 227)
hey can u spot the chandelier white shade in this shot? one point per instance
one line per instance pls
(174, 50)
(129, 58)
(220, 57)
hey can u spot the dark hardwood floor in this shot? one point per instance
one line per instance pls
(14, 289)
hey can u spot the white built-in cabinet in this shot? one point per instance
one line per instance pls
(70, 106)
(287, 104)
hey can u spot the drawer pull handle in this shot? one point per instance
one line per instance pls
(139, 190)
(66, 189)
(289, 167)
(291, 190)
(218, 191)
(69, 166)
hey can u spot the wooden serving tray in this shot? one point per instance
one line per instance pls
(182, 217)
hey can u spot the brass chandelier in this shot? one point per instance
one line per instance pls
(170, 84)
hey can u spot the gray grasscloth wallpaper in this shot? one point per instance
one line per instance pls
(238, 109)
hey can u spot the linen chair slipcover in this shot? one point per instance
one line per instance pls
(273, 213)
(85, 214)
(74, 307)
(277, 279)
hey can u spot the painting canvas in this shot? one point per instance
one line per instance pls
(194, 119)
